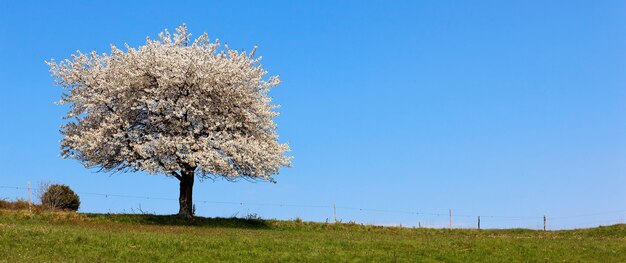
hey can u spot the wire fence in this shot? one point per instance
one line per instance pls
(415, 218)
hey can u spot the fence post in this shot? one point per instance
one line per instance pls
(478, 222)
(450, 218)
(544, 222)
(335, 212)
(29, 204)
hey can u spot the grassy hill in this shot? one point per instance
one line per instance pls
(63, 236)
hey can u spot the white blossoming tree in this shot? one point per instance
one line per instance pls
(175, 107)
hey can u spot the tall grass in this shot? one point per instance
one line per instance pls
(48, 236)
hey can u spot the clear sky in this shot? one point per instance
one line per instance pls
(485, 107)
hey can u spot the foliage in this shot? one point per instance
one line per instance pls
(58, 196)
(20, 204)
(54, 236)
(172, 106)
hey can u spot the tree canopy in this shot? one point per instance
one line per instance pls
(171, 106)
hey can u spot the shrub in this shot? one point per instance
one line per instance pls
(253, 216)
(58, 196)
(18, 204)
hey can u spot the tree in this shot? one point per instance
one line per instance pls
(175, 107)
(59, 196)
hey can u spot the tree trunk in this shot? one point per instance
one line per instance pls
(186, 194)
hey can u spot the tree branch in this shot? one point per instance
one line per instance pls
(178, 176)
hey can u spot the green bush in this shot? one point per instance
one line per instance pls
(58, 196)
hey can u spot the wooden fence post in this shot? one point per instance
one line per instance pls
(450, 218)
(335, 212)
(29, 203)
(478, 222)
(544, 222)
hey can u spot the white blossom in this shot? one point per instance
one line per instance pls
(170, 106)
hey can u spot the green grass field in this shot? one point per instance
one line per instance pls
(70, 237)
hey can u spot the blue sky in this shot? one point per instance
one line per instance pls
(485, 107)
